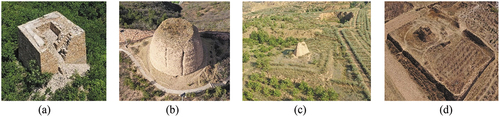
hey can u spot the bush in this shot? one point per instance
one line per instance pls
(318, 91)
(332, 94)
(310, 92)
(262, 63)
(146, 15)
(249, 42)
(259, 55)
(265, 91)
(247, 95)
(219, 92)
(260, 35)
(277, 93)
(35, 78)
(258, 77)
(274, 82)
(159, 93)
(264, 49)
(246, 57)
(310, 98)
(38, 97)
(295, 91)
(254, 85)
(145, 95)
(68, 93)
(303, 86)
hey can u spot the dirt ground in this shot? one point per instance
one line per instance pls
(207, 16)
(402, 86)
(134, 35)
(448, 51)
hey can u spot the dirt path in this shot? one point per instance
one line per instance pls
(199, 89)
(401, 80)
(391, 92)
(134, 34)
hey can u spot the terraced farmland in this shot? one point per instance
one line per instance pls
(448, 51)
(337, 65)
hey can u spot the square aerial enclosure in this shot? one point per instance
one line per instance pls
(444, 50)
(51, 40)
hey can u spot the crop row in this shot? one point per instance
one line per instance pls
(359, 52)
(363, 24)
(273, 87)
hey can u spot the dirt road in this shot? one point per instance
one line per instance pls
(400, 78)
(199, 89)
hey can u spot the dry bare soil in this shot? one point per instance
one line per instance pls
(337, 35)
(441, 51)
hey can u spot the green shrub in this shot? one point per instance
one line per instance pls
(310, 98)
(34, 78)
(295, 91)
(218, 92)
(145, 95)
(283, 26)
(254, 85)
(318, 91)
(266, 92)
(262, 63)
(333, 95)
(303, 86)
(277, 93)
(286, 83)
(274, 82)
(246, 57)
(158, 93)
(247, 95)
(145, 15)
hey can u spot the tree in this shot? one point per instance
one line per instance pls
(35, 78)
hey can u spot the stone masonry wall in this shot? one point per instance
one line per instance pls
(53, 42)
(27, 51)
(77, 50)
(174, 61)
(48, 62)
(193, 57)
